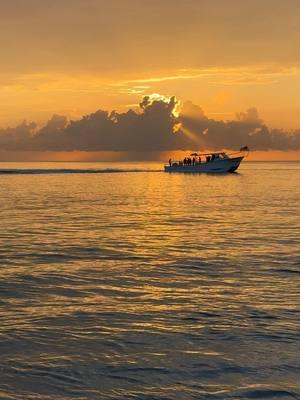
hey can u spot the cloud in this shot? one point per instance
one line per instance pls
(18, 138)
(248, 128)
(263, 73)
(155, 127)
(51, 136)
(250, 116)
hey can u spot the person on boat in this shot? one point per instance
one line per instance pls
(184, 161)
(199, 160)
(170, 162)
(207, 158)
(212, 157)
(194, 160)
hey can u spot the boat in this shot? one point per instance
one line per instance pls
(216, 162)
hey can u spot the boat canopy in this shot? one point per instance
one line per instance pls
(221, 153)
(208, 154)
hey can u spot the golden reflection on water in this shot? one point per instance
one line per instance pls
(188, 278)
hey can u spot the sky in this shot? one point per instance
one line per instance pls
(74, 57)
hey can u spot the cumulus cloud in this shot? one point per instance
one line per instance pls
(18, 138)
(156, 127)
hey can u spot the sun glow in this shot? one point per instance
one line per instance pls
(157, 96)
(166, 99)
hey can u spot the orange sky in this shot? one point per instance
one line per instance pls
(73, 57)
(94, 156)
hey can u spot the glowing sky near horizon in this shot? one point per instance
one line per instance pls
(73, 57)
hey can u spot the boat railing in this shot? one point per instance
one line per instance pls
(191, 162)
(209, 157)
(180, 163)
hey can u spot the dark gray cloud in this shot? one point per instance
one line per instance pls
(18, 138)
(247, 129)
(155, 128)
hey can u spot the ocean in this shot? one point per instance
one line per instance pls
(120, 281)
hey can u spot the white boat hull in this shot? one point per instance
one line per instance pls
(215, 166)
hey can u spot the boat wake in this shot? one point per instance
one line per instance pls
(71, 171)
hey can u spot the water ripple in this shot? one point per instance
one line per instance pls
(149, 286)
